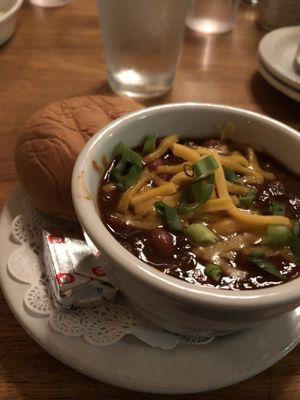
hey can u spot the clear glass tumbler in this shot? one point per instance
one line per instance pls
(142, 40)
(211, 16)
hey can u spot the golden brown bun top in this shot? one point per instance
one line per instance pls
(51, 141)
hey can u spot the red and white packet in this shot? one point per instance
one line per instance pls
(76, 277)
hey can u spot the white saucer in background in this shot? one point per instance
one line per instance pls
(277, 84)
(277, 51)
(134, 365)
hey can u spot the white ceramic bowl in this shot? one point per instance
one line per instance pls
(169, 302)
(8, 19)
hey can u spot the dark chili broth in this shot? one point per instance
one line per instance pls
(183, 263)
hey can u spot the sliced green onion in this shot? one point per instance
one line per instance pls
(205, 167)
(124, 176)
(128, 169)
(277, 235)
(213, 271)
(184, 206)
(226, 131)
(127, 154)
(295, 240)
(258, 253)
(249, 198)
(265, 265)
(200, 234)
(150, 144)
(188, 170)
(201, 192)
(169, 216)
(277, 208)
(123, 182)
(230, 175)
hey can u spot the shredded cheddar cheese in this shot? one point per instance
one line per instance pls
(138, 201)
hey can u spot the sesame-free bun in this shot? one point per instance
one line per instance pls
(51, 141)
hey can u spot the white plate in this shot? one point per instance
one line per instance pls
(277, 50)
(134, 365)
(277, 84)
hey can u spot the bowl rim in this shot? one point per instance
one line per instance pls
(263, 298)
(11, 11)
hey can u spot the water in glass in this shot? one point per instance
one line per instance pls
(211, 16)
(142, 40)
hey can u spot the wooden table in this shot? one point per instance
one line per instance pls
(56, 54)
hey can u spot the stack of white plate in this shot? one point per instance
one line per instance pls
(277, 60)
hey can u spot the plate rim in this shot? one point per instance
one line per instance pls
(264, 50)
(276, 83)
(123, 380)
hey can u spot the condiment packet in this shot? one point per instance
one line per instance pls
(76, 278)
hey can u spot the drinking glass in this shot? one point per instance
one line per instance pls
(142, 40)
(211, 16)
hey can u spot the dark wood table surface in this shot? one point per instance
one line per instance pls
(56, 54)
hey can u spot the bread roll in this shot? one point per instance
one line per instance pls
(51, 141)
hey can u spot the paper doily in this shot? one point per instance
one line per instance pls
(104, 324)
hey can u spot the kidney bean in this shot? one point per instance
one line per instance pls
(162, 241)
